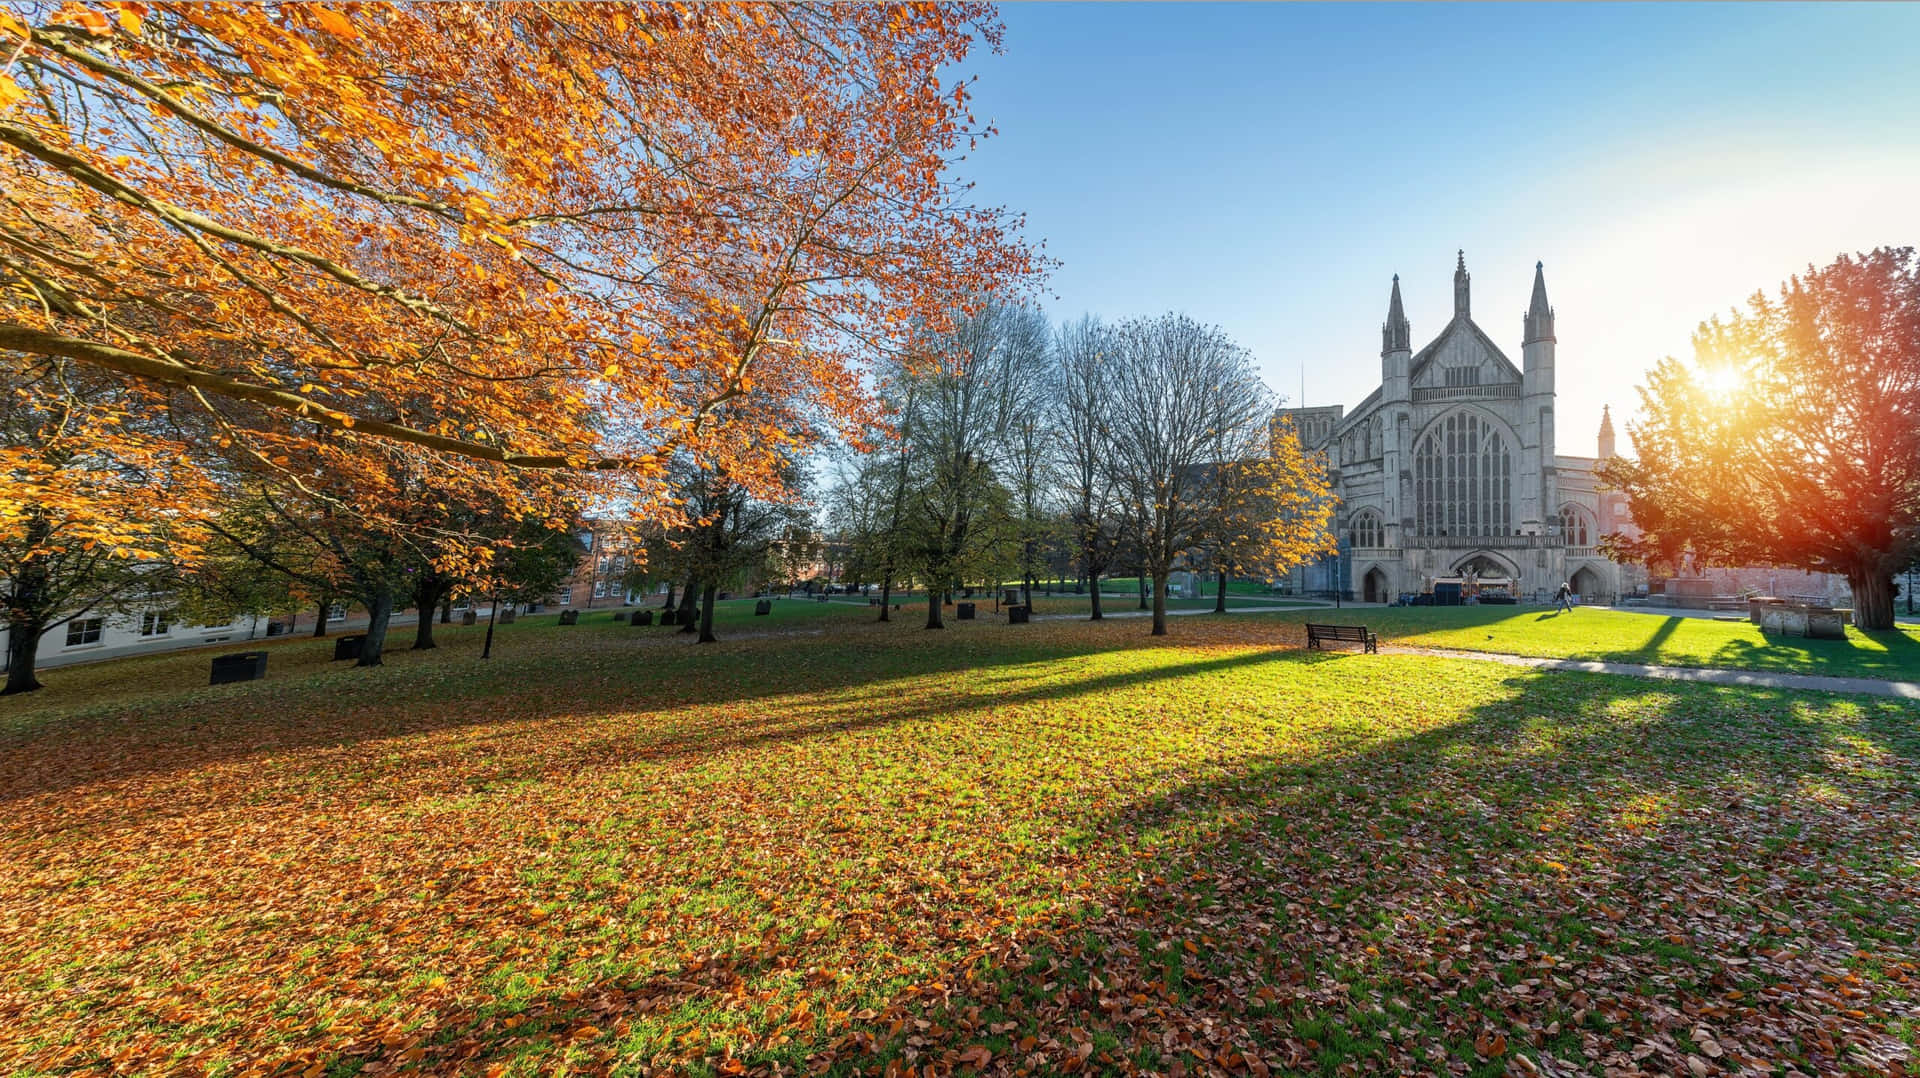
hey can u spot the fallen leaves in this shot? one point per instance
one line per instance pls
(927, 855)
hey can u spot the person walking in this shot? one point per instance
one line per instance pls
(1563, 599)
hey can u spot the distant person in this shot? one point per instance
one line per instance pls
(1563, 599)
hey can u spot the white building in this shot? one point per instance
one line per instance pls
(108, 635)
(1450, 467)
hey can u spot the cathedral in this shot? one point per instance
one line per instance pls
(1448, 473)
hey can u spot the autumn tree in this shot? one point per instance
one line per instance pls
(94, 502)
(1268, 512)
(1794, 436)
(475, 230)
(1183, 397)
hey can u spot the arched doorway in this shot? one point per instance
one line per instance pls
(1373, 587)
(1484, 565)
(1587, 585)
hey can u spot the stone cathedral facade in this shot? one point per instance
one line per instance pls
(1450, 467)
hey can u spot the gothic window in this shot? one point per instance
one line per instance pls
(1463, 478)
(1365, 530)
(1574, 527)
(1463, 376)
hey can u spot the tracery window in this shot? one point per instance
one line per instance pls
(1574, 527)
(1365, 530)
(1463, 478)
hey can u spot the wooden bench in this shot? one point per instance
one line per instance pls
(1346, 634)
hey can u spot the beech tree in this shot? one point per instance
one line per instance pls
(1794, 436)
(94, 501)
(475, 229)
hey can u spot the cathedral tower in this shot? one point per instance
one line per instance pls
(1606, 434)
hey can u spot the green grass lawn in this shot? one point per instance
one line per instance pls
(830, 845)
(1634, 637)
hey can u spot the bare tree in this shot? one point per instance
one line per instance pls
(1184, 396)
(1079, 418)
(978, 381)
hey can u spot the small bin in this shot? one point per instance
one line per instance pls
(241, 666)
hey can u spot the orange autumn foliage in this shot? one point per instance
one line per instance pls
(489, 238)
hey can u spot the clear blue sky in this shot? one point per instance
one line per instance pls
(1269, 168)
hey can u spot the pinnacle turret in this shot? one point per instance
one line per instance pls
(1462, 280)
(1606, 433)
(1539, 319)
(1397, 334)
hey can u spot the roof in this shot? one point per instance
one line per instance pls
(1461, 325)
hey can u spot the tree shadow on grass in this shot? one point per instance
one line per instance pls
(1896, 656)
(849, 690)
(1589, 867)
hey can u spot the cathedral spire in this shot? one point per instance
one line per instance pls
(1606, 433)
(1461, 280)
(1539, 320)
(1397, 334)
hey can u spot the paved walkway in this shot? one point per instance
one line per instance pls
(1905, 690)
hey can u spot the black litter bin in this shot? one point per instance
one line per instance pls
(348, 647)
(963, 611)
(1017, 614)
(240, 666)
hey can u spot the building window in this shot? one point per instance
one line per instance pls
(337, 612)
(1463, 478)
(156, 622)
(1366, 530)
(599, 589)
(82, 631)
(1463, 376)
(1573, 527)
(565, 598)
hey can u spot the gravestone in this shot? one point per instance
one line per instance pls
(569, 617)
(643, 617)
(469, 616)
(762, 608)
(241, 666)
(506, 615)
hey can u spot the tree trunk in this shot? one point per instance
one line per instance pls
(886, 593)
(446, 610)
(706, 615)
(1143, 588)
(379, 613)
(320, 623)
(934, 595)
(23, 651)
(1159, 604)
(424, 601)
(1093, 591)
(1872, 598)
(689, 609)
(669, 607)
(1220, 601)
